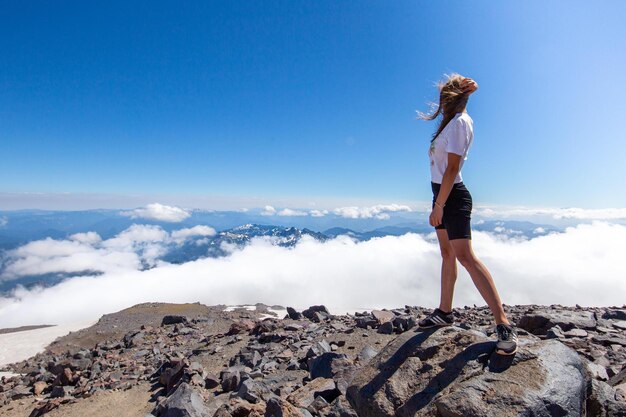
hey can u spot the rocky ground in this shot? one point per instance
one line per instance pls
(200, 361)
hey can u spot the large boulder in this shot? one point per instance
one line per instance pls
(616, 314)
(316, 313)
(184, 402)
(333, 365)
(541, 321)
(304, 396)
(293, 314)
(452, 371)
(167, 320)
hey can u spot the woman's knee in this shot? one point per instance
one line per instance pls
(467, 259)
(447, 254)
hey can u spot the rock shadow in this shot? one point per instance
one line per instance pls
(387, 369)
(481, 352)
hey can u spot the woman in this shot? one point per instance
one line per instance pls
(452, 206)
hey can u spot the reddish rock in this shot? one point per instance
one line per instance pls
(238, 327)
(303, 397)
(383, 316)
(39, 387)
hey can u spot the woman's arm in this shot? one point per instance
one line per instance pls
(447, 182)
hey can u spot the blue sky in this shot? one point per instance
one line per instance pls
(305, 100)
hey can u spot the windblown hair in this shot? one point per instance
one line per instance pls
(452, 100)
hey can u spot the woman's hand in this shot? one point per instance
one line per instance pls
(468, 86)
(435, 216)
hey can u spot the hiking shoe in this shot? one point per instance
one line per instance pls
(507, 339)
(437, 318)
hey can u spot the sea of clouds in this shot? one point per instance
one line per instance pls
(582, 265)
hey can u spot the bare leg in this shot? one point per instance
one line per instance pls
(481, 277)
(448, 270)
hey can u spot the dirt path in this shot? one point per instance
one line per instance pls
(131, 403)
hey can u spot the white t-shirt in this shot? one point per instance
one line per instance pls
(457, 138)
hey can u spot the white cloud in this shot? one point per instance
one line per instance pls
(290, 212)
(583, 264)
(504, 230)
(285, 212)
(555, 213)
(88, 237)
(539, 230)
(318, 213)
(67, 256)
(159, 212)
(379, 211)
(3, 221)
(137, 234)
(268, 211)
(132, 249)
(179, 236)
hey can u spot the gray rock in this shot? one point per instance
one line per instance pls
(619, 377)
(341, 408)
(539, 322)
(610, 340)
(596, 371)
(183, 330)
(134, 339)
(197, 380)
(620, 324)
(167, 320)
(366, 354)
(366, 321)
(576, 333)
(61, 391)
(318, 348)
(386, 328)
(555, 332)
(253, 391)
(20, 391)
(184, 402)
(459, 374)
(328, 365)
(293, 314)
(602, 401)
(230, 380)
(614, 314)
(318, 404)
(196, 367)
(140, 354)
(172, 374)
(404, 323)
(316, 313)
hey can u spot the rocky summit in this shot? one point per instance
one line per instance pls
(191, 360)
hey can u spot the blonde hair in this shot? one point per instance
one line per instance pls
(452, 100)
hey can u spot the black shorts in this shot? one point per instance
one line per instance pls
(457, 211)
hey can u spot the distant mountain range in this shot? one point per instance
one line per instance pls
(22, 227)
